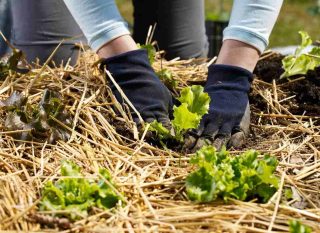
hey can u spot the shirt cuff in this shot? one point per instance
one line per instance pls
(111, 33)
(246, 36)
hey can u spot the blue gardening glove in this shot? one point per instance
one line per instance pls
(133, 73)
(228, 120)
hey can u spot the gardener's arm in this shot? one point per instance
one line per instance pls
(103, 26)
(251, 22)
(108, 35)
(229, 80)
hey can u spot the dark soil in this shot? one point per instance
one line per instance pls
(269, 68)
(306, 91)
(307, 97)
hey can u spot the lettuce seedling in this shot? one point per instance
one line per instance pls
(73, 195)
(297, 227)
(166, 77)
(299, 62)
(151, 51)
(194, 105)
(220, 175)
(37, 121)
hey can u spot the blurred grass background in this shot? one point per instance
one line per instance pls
(294, 16)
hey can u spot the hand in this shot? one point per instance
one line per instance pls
(228, 120)
(134, 74)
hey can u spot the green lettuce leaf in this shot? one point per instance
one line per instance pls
(73, 195)
(53, 198)
(151, 51)
(220, 174)
(184, 120)
(107, 198)
(196, 99)
(194, 104)
(161, 131)
(166, 77)
(205, 155)
(301, 63)
(201, 185)
(305, 42)
(297, 227)
(315, 52)
(265, 173)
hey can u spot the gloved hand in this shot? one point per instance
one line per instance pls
(134, 74)
(228, 120)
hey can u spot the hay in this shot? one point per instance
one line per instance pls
(152, 179)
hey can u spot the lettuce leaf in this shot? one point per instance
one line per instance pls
(151, 51)
(297, 227)
(305, 42)
(196, 99)
(301, 63)
(194, 105)
(166, 77)
(73, 195)
(184, 120)
(161, 131)
(221, 175)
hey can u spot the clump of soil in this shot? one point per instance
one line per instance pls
(269, 68)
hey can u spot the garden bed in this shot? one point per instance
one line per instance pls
(285, 123)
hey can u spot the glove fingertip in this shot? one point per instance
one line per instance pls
(221, 141)
(165, 121)
(189, 143)
(201, 142)
(237, 140)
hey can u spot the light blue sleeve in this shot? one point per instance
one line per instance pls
(99, 20)
(252, 21)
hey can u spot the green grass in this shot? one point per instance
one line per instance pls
(293, 18)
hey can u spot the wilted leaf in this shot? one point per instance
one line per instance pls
(300, 202)
(13, 122)
(11, 64)
(15, 100)
(14, 59)
(37, 120)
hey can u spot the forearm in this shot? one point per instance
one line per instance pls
(252, 21)
(117, 46)
(102, 25)
(237, 53)
(248, 32)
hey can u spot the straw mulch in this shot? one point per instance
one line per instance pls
(152, 179)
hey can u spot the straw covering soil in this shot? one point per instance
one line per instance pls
(150, 178)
